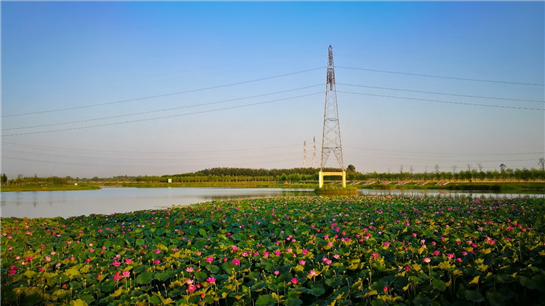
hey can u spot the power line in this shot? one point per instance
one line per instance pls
(148, 152)
(157, 118)
(442, 153)
(161, 110)
(446, 102)
(442, 93)
(128, 165)
(124, 158)
(442, 77)
(162, 95)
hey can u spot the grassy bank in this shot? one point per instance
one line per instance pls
(336, 189)
(496, 187)
(29, 187)
(221, 184)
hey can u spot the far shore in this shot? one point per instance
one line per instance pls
(509, 187)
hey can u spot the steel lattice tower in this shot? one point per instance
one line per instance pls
(331, 139)
(313, 152)
(305, 154)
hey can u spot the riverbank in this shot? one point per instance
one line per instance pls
(473, 186)
(14, 188)
(480, 186)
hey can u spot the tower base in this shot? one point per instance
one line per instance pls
(322, 174)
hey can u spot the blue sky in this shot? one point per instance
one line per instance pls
(147, 88)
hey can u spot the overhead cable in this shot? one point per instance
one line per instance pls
(161, 95)
(442, 77)
(160, 110)
(442, 93)
(446, 102)
(158, 118)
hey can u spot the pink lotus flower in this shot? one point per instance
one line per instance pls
(294, 280)
(157, 251)
(126, 273)
(302, 262)
(116, 263)
(276, 272)
(191, 288)
(209, 259)
(336, 256)
(427, 259)
(277, 253)
(128, 261)
(312, 273)
(305, 251)
(236, 262)
(211, 280)
(189, 269)
(157, 261)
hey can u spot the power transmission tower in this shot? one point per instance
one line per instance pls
(313, 152)
(331, 139)
(305, 154)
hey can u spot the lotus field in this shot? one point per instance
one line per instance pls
(284, 251)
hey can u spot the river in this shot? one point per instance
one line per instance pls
(119, 200)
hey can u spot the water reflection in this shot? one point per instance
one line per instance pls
(113, 200)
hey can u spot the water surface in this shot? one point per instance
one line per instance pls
(120, 200)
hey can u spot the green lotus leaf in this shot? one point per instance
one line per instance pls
(439, 284)
(293, 301)
(212, 268)
(78, 302)
(200, 276)
(265, 300)
(317, 291)
(494, 298)
(422, 300)
(474, 296)
(144, 278)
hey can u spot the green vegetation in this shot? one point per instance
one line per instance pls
(505, 180)
(31, 187)
(283, 251)
(336, 189)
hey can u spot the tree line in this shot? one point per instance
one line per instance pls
(226, 174)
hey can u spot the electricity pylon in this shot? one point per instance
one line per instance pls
(305, 154)
(331, 139)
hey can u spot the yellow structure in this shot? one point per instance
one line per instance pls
(322, 174)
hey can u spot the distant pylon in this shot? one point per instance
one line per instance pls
(313, 152)
(305, 154)
(331, 139)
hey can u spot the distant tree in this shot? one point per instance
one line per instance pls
(541, 163)
(4, 179)
(502, 167)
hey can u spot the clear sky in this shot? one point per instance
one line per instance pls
(147, 88)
